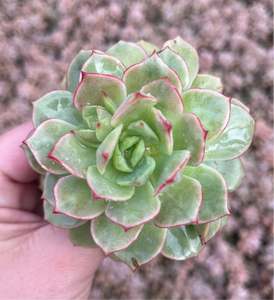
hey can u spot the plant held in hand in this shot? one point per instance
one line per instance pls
(138, 152)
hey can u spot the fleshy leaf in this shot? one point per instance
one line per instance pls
(189, 134)
(49, 182)
(235, 139)
(139, 209)
(128, 142)
(128, 53)
(120, 162)
(213, 229)
(150, 69)
(109, 104)
(74, 69)
(180, 204)
(73, 156)
(208, 82)
(211, 107)
(133, 108)
(138, 153)
(188, 53)
(147, 246)
(93, 85)
(176, 63)
(224, 222)
(111, 237)
(103, 129)
(169, 100)
(102, 113)
(202, 231)
(140, 128)
(86, 134)
(105, 186)
(73, 198)
(140, 176)
(114, 257)
(105, 150)
(32, 161)
(232, 171)
(148, 47)
(215, 202)
(169, 170)
(104, 64)
(163, 129)
(58, 105)
(42, 141)
(182, 242)
(239, 103)
(81, 236)
(60, 220)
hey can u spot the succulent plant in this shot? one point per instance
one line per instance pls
(138, 152)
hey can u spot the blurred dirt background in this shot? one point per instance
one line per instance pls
(234, 40)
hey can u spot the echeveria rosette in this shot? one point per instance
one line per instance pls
(139, 151)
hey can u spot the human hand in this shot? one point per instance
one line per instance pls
(37, 259)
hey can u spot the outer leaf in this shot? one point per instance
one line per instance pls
(148, 245)
(232, 171)
(104, 64)
(42, 141)
(81, 236)
(189, 134)
(235, 139)
(208, 82)
(176, 63)
(128, 53)
(208, 230)
(72, 155)
(59, 105)
(150, 69)
(133, 109)
(60, 220)
(215, 203)
(214, 228)
(92, 86)
(75, 68)
(139, 209)
(49, 182)
(180, 204)
(105, 186)
(211, 107)
(169, 100)
(111, 237)
(169, 170)
(239, 103)
(148, 47)
(181, 243)
(188, 53)
(32, 161)
(73, 198)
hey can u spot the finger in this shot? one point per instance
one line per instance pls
(13, 161)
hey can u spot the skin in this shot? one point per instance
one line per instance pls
(37, 259)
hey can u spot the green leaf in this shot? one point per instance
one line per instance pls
(188, 53)
(211, 107)
(103, 129)
(181, 243)
(42, 141)
(138, 153)
(81, 236)
(93, 85)
(49, 182)
(176, 63)
(102, 113)
(224, 222)
(208, 82)
(139, 209)
(104, 64)
(235, 139)
(147, 246)
(73, 156)
(148, 47)
(111, 237)
(109, 104)
(189, 134)
(128, 142)
(140, 176)
(133, 109)
(239, 103)
(60, 220)
(202, 230)
(105, 150)
(56, 105)
(169, 170)
(128, 53)
(232, 171)
(215, 202)
(73, 198)
(180, 204)
(120, 162)
(140, 128)
(105, 186)
(214, 228)
(74, 69)
(86, 134)
(148, 70)
(32, 161)
(169, 100)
